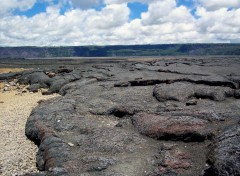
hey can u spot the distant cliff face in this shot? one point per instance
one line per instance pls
(120, 50)
(35, 52)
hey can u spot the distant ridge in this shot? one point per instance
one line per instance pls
(120, 50)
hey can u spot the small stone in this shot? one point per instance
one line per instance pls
(70, 144)
(51, 74)
(6, 89)
(40, 101)
(119, 125)
(34, 91)
(43, 90)
(237, 93)
(191, 102)
(12, 83)
(46, 93)
(24, 91)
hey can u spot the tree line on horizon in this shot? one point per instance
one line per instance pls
(120, 50)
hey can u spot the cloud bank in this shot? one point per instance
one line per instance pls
(166, 21)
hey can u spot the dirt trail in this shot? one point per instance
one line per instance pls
(17, 152)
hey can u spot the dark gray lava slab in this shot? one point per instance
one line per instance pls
(185, 128)
(224, 156)
(138, 118)
(181, 91)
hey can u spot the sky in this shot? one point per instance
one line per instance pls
(118, 22)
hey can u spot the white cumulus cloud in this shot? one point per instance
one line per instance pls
(9, 5)
(83, 4)
(164, 22)
(127, 1)
(217, 4)
(222, 24)
(76, 27)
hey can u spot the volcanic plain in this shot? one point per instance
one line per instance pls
(133, 116)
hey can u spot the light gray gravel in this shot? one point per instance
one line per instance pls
(17, 152)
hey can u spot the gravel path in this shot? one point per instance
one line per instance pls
(17, 153)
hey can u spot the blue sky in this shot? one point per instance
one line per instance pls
(39, 7)
(109, 22)
(136, 7)
(36, 9)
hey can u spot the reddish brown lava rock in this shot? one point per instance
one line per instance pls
(175, 160)
(184, 128)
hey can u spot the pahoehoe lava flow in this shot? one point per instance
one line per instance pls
(137, 118)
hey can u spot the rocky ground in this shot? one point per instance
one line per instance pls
(18, 154)
(172, 116)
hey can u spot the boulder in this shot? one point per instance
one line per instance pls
(34, 87)
(75, 85)
(176, 91)
(60, 81)
(215, 93)
(181, 91)
(37, 77)
(57, 85)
